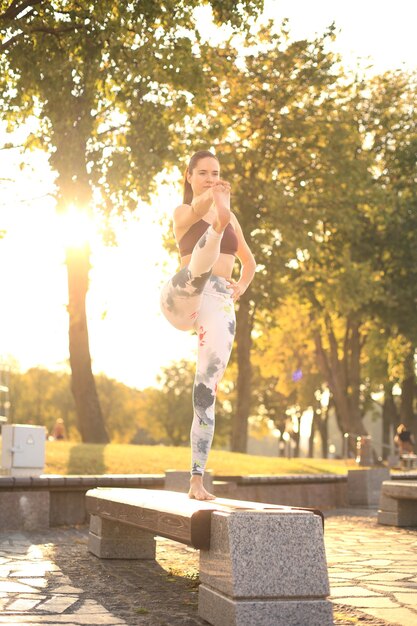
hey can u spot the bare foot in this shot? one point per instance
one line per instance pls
(197, 490)
(221, 197)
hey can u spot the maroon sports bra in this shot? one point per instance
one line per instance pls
(228, 245)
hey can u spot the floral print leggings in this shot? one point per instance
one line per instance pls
(195, 299)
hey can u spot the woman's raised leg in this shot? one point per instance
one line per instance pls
(181, 296)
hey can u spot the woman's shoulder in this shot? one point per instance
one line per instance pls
(180, 211)
(233, 218)
(235, 222)
(183, 217)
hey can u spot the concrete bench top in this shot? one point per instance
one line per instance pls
(400, 489)
(171, 514)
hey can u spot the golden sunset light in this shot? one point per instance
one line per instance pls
(123, 301)
(208, 312)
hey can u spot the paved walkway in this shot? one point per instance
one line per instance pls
(372, 569)
(50, 578)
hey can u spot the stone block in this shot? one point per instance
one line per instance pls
(180, 481)
(115, 540)
(364, 486)
(67, 508)
(401, 489)
(24, 510)
(266, 554)
(401, 517)
(388, 504)
(128, 548)
(115, 530)
(221, 610)
(398, 503)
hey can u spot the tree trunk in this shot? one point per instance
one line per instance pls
(318, 424)
(342, 375)
(407, 391)
(312, 433)
(330, 367)
(389, 419)
(90, 419)
(244, 321)
(74, 189)
(295, 435)
(353, 378)
(322, 425)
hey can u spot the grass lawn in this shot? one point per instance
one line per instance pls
(65, 457)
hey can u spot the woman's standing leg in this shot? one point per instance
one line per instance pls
(216, 328)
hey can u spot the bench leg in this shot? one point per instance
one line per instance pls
(397, 512)
(114, 540)
(265, 568)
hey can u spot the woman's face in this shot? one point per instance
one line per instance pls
(204, 174)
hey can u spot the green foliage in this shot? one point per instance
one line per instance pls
(171, 406)
(39, 396)
(111, 85)
(323, 174)
(286, 360)
(390, 120)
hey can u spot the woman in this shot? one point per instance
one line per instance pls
(201, 295)
(404, 440)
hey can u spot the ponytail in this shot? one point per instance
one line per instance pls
(201, 154)
(188, 192)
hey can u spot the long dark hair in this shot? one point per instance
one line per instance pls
(201, 154)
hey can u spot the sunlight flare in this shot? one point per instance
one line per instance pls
(77, 227)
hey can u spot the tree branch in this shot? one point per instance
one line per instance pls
(112, 128)
(55, 31)
(15, 8)
(49, 31)
(8, 43)
(11, 146)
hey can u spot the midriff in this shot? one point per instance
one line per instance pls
(223, 266)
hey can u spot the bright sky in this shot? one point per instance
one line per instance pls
(129, 338)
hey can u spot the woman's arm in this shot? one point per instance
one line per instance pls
(186, 215)
(248, 263)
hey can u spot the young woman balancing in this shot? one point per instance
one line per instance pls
(201, 295)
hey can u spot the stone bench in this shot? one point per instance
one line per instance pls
(398, 503)
(259, 563)
(38, 502)
(408, 461)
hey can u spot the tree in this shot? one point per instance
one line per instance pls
(40, 397)
(390, 120)
(274, 120)
(169, 409)
(110, 84)
(285, 355)
(298, 144)
(122, 408)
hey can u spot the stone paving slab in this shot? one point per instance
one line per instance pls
(371, 569)
(50, 578)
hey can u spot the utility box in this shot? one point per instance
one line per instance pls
(23, 449)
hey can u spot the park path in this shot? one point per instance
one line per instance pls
(372, 568)
(50, 578)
